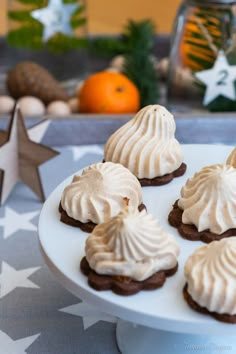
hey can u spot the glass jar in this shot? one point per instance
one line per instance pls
(201, 30)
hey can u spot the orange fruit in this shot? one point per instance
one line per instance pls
(108, 92)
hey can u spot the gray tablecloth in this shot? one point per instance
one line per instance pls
(37, 315)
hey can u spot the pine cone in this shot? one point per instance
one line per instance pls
(30, 79)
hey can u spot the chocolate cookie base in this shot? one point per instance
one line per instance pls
(86, 227)
(160, 181)
(190, 232)
(124, 285)
(223, 317)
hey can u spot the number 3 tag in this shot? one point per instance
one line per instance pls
(219, 80)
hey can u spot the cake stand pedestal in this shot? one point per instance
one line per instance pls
(137, 339)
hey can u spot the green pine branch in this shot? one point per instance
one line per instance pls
(35, 3)
(78, 19)
(61, 43)
(135, 34)
(136, 44)
(70, 1)
(222, 104)
(139, 35)
(106, 46)
(20, 16)
(81, 9)
(201, 46)
(203, 63)
(29, 35)
(78, 22)
(140, 69)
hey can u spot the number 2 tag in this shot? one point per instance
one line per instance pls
(223, 77)
(219, 80)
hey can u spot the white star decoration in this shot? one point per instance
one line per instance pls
(90, 315)
(12, 222)
(219, 80)
(10, 279)
(55, 18)
(9, 346)
(81, 151)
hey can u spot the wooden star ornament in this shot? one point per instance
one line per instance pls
(21, 155)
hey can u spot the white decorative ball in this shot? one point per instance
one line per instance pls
(163, 67)
(58, 108)
(73, 104)
(31, 106)
(118, 63)
(6, 104)
(112, 70)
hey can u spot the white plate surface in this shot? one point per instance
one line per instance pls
(63, 248)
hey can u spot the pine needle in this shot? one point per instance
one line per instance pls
(136, 44)
(139, 66)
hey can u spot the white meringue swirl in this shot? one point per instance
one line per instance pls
(208, 199)
(211, 276)
(146, 145)
(231, 160)
(131, 244)
(98, 194)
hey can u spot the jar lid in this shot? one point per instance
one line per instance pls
(215, 1)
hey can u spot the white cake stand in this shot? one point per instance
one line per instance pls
(164, 322)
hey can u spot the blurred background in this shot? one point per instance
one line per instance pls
(166, 49)
(108, 17)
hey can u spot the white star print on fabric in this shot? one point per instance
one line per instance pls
(80, 151)
(12, 222)
(90, 315)
(55, 18)
(219, 80)
(9, 346)
(10, 279)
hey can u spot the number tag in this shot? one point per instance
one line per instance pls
(223, 76)
(220, 80)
